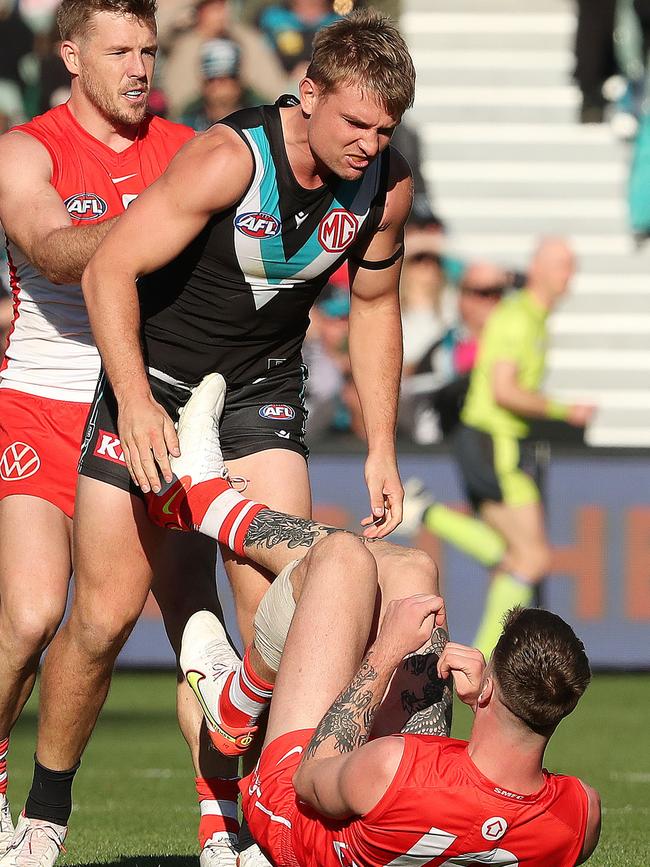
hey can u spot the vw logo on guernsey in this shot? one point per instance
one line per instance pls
(258, 225)
(277, 412)
(19, 461)
(337, 230)
(86, 206)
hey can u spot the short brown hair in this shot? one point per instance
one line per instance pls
(74, 16)
(540, 667)
(365, 49)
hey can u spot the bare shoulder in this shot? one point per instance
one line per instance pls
(399, 170)
(215, 164)
(399, 194)
(18, 150)
(370, 771)
(592, 833)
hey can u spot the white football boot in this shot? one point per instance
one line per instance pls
(250, 854)
(6, 825)
(36, 843)
(209, 664)
(219, 851)
(253, 857)
(201, 458)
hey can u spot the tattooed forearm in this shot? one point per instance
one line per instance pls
(428, 701)
(270, 528)
(347, 723)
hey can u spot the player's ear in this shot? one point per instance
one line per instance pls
(70, 56)
(485, 695)
(308, 94)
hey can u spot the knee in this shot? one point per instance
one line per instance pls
(409, 569)
(533, 563)
(422, 569)
(101, 630)
(541, 565)
(343, 550)
(28, 630)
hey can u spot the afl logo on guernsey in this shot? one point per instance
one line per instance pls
(277, 412)
(258, 225)
(86, 206)
(337, 230)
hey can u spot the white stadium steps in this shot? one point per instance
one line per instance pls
(507, 162)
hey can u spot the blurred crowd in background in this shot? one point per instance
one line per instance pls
(217, 56)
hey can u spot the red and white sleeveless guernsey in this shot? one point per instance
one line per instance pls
(439, 810)
(51, 351)
(51, 365)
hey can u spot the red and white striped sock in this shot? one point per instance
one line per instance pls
(217, 510)
(4, 749)
(226, 517)
(218, 804)
(244, 696)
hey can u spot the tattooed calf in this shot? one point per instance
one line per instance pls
(270, 528)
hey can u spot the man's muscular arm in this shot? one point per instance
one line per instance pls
(376, 349)
(34, 217)
(341, 774)
(209, 174)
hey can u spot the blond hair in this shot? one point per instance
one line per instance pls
(365, 49)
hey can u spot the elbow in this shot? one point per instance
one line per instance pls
(89, 280)
(300, 785)
(54, 274)
(503, 397)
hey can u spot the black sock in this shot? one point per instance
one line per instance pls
(50, 796)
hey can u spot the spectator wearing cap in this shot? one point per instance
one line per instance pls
(222, 91)
(290, 29)
(181, 36)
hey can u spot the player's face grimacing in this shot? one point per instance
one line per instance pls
(115, 66)
(348, 129)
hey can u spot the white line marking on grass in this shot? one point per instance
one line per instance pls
(630, 776)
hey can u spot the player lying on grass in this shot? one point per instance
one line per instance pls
(324, 795)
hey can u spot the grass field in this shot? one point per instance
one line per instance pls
(135, 800)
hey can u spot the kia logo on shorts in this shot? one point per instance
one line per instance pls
(258, 225)
(19, 461)
(337, 230)
(277, 412)
(86, 206)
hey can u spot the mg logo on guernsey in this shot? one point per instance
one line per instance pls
(337, 230)
(258, 225)
(86, 206)
(19, 461)
(108, 447)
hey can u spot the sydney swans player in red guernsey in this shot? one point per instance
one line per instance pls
(65, 178)
(323, 795)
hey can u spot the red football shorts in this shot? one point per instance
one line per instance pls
(269, 799)
(40, 441)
